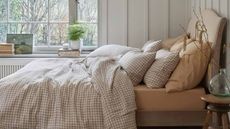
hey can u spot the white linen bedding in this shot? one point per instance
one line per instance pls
(65, 94)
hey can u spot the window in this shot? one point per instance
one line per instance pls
(47, 20)
(88, 15)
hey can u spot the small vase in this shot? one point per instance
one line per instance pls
(75, 45)
(220, 84)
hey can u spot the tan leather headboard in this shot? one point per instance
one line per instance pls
(215, 27)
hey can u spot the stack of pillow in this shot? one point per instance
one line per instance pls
(162, 64)
(194, 60)
(136, 63)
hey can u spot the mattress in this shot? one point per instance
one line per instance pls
(158, 100)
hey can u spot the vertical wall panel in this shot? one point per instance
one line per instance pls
(133, 22)
(224, 8)
(158, 19)
(188, 10)
(197, 4)
(209, 4)
(130, 22)
(137, 22)
(117, 22)
(177, 17)
(203, 4)
(216, 5)
(103, 22)
(193, 6)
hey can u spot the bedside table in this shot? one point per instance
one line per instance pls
(218, 106)
(68, 53)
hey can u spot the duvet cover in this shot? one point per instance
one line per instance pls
(88, 93)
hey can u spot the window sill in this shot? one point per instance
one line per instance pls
(41, 56)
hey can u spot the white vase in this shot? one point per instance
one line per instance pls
(75, 44)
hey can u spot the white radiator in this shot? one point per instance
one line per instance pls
(6, 70)
(9, 66)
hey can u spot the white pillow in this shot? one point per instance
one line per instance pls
(160, 71)
(112, 50)
(136, 64)
(152, 46)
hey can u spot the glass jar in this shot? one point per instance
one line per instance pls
(220, 84)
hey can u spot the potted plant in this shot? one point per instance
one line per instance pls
(76, 32)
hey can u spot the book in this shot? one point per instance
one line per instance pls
(6, 49)
(7, 46)
(68, 53)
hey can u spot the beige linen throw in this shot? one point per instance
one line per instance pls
(65, 94)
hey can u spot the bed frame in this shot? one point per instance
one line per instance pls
(191, 118)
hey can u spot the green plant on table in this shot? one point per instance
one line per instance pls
(76, 31)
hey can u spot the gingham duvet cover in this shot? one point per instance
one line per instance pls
(68, 94)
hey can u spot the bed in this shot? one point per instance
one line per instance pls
(155, 107)
(98, 92)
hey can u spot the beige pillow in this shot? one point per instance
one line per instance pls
(161, 69)
(168, 43)
(180, 45)
(152, 46)
(136, 64)
(191, 68)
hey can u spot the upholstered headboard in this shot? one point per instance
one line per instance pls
(215, 28)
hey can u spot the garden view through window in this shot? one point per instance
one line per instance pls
(47, 20)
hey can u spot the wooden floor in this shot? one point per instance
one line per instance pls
(169, 127)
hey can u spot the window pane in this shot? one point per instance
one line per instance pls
(3, 10)
(40, 32)
(28, 10)
(87, 10)
(58, 34)
(3, 32)
(91, 36)
(31, 17)
(59, 10)
(15, 28)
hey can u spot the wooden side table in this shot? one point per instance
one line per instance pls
(218, 106)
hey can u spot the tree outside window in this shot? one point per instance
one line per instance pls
(48, 20)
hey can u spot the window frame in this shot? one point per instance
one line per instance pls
(73, 16)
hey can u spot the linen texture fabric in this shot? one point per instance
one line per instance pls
(152, 46)
(63, 94)
(191, 68)
(161, 69)
(136, 64)
(168, 43)
(178, 46)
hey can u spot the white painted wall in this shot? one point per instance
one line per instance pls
(133, 22)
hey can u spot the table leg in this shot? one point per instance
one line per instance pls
(207, 119)
(225, 122)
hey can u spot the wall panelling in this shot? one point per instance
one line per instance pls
(133, 22)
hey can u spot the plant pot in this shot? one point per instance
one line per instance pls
(75, 44)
